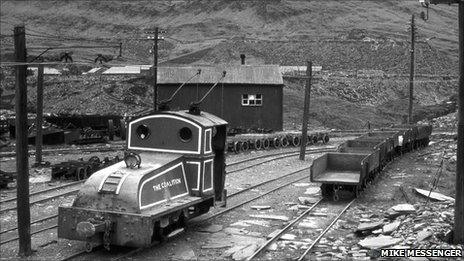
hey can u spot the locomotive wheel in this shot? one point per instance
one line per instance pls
(258, 144)
(296, 141)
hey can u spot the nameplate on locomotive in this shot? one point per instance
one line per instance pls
(167, 185)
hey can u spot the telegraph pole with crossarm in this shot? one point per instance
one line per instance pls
(154, 35)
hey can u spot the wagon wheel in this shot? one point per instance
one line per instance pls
(364, 183)
(266, 144)
(335, 195)
(325, 139)
(258, 144)
(110, 129)
(314, 139)
(88, 172)
(237, 146)
(122, 129)
(325, 190)
(276, 143)
(308, 140)
(284, 141)
(80, 173)
(244, 146)
(296, 141)
(94, 161)
(357, 191)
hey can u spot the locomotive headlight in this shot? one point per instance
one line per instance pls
(132, 160)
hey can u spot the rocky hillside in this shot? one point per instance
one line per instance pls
(342, 38)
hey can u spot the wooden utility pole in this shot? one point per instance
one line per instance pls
(155, 70)
(458, 232)
(411, 75)
(304, 129)
(39, 117)
(459, 203)
(22, 190)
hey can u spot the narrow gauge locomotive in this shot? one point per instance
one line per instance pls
(359, 161)
(174, 170)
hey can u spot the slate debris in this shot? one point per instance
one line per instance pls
(406, 226)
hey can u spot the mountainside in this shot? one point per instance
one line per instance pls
(341, 36)
(337, 35)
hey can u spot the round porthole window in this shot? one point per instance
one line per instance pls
(185, 134)
(143, 132)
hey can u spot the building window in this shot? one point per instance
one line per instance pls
(252, 99)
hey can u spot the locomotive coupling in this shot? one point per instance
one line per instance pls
(91, 227)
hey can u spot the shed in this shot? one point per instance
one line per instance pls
(249, 96)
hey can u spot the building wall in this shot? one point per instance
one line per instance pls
(225, 101)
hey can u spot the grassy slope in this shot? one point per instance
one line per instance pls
(216, 31)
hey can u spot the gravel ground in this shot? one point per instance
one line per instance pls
(415, 169)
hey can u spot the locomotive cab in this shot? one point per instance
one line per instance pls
(174, 170)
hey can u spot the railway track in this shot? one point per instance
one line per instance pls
(207, 217)
(113, 147)
(275, 156)
(72, 188)
(306, 246)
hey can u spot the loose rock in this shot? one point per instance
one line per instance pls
(379, 242)
(388, 228)
(273, 217)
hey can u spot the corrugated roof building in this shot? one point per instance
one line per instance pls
(249, 96)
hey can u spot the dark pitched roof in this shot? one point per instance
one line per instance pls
(243, 74)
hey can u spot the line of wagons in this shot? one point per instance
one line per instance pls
(358, 162)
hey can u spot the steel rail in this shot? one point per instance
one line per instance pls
(325, 230)
(257, 197)
(275, 154)
(44, 191)
(32, 233)
(282, 157)
(41, 200)
(283, 230)
(113, 147)
(32, 223)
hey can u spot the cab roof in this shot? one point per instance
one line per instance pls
(205, 119)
